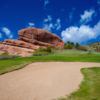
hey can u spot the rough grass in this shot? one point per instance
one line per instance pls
(90, 86)
(61, 55)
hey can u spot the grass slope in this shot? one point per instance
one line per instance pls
(90, 86)
(65, 55)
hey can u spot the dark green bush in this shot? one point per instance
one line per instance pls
(68, 47)
(83, 48)
(77, 45)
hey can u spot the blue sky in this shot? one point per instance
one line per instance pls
(72, 20)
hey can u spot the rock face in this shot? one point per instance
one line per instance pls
(14, 50)
(31, 39)
(40, 37)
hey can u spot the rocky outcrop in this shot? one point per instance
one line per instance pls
(14, 50)
(29, 40)
(40, 37)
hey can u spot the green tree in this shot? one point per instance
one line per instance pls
(77, 45)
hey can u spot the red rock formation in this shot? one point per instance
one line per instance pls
(40, 37)
(29, 40)
(14, 50)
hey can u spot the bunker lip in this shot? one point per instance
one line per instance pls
(42, 80)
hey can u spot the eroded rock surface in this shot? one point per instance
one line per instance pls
(40, 37)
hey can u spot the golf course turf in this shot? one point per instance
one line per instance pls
(89, 88)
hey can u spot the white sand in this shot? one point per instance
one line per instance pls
(42, 81)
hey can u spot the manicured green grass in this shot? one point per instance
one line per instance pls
(61, 55)
(90, 86)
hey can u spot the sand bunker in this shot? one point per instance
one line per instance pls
(42, 81)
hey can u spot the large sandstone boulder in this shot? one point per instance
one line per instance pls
(40, 37)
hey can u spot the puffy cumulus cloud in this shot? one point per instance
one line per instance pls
(81, 34)
(87, 16)
(77, 34)
(7, 32)
(31, 24)
(46, 2)
(49, 24)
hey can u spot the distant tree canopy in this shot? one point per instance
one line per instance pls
(77, 45)
(72, 45)
(69, 45)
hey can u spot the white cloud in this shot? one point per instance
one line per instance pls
(81, 34)
(87, 16)
(48, 19)
(31, 24)
(7, 32)
(46, 2)
(97, 28)
(49, 24)
(48, 27)
(58, 24)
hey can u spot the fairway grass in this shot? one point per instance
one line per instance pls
(90, 86)
(64, 56)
